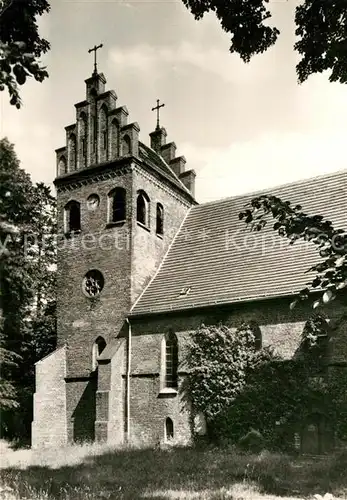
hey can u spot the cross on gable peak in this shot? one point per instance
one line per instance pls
(157, 108)
(94, 49)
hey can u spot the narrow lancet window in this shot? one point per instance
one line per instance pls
(160, 220)
(171, 361)
(169, 429)
(72, 217)
(98, 347)
(117, 203)
(142, 208)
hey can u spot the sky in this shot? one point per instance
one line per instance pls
(242, 127)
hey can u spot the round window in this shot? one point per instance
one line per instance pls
(93, 202)
(93, 283)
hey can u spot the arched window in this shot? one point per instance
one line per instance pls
(126, 145)
(160, 219)
(72, 217)
(169, 429)
(103, 131)
(83, 135)
(171, 361)
(117, 205)
(142, 208)
(62, 166)
(98, 346)
(72, 152)
(115, 138)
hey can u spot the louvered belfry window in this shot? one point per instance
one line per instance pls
(118, 205)
(171, 361)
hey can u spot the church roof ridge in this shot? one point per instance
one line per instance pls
(220, 260)
(266, 190)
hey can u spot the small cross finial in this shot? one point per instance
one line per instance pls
(94, 49)
(157, 107)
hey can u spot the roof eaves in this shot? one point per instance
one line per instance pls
(202, 305)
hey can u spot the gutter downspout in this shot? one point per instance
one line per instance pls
(127, 409)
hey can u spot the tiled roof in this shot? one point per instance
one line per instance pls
(157, 163)
(220, 260)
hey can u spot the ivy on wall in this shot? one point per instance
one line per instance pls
(239, 387)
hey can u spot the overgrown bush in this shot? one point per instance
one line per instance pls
(239, 388)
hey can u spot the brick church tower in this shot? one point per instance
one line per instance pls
(119, 204)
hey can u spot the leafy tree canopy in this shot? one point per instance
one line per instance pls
(20, 44)
(321, 28)
(293, 223)
(27, 287)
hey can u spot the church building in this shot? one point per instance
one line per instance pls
(141, 265)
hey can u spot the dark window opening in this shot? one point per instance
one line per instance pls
(73, 217)
(142, 209)
(101, 344)
(171, 361)
(169, 428)
(160, 219)
(98, 348)
(118, 205)
(84, 147)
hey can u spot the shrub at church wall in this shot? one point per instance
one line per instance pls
(240, 389)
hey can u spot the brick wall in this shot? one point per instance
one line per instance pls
(110, 404)
(127, 256)
(82, 319)
(49, 427)
(148, 248)
(280, 327)
(81, 409)
(149, 410)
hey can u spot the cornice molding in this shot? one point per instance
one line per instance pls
(72, 184)
(110, 170)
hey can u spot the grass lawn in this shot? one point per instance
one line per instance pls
(100, 472)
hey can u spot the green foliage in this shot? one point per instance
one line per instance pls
(321, 28)
(243, 20)
(294, 224)
(240, 389)
(218, 358)
(27, 294)
(20, 44)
